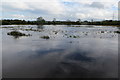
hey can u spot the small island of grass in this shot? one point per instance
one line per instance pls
(17, 34)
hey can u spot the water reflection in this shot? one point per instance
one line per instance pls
(33, 57)
(40, 27)
(80, 56)
(59, 64)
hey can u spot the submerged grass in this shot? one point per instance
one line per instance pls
(35, 30)
(102, 31)
(6, 27)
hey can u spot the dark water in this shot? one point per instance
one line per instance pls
(79, 52)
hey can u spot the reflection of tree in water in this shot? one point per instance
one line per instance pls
(16, 37)
(40, 27)
(118, 28)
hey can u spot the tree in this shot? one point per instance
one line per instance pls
(54, 19)
(79, 20)
(92, 20)
(40, 20)
(68, 20)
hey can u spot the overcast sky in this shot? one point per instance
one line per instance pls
(59, 9)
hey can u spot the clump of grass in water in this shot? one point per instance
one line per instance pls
(66, 34)
(117, 32)
(17, 34)
(102, 31)
(70, 36)
(73, 36)
(45, 37)
(55, 32)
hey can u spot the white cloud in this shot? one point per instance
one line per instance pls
(18, 16)
(53, 7)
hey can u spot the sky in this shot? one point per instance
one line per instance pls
(59, 9)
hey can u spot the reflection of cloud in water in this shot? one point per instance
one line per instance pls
(78, 56)
(63, 63)
(41, 53)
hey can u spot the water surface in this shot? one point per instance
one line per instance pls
(71, 51)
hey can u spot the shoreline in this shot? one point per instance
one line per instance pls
(68, 25)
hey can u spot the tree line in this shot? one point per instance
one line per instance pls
(41, 21)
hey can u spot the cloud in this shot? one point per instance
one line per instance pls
(60, 9)
(18, 16)
(97, 14)
(53, 7)
(15, 6)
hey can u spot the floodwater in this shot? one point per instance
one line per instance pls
(70, 51)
